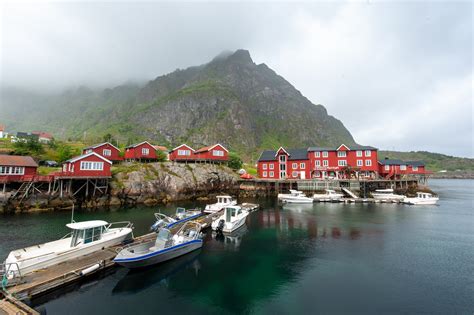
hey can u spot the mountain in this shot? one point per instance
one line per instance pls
(230, 100)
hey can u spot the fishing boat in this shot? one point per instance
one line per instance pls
(386, 195)
(85, 237)
(421, 198)
(295, 196)
(233, 218)
(165, 247)
(222, 201)
(329, 195)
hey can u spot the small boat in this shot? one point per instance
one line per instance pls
(295, 196)
(85, 237)
(182, 213)
(250, 206)
(421, 198)
(165, 247)
(233, 218)
(328, 196)
(386, 195)
(222, 201)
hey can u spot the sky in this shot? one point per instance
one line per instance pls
(399, 75)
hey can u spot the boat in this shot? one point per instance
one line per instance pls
(295, 196)
(222, 202)
(250, 207)
(330, 195)
(85, 237)
(183, 213)
(233, 218)
(165, 247)
(386, 195)
(421, 198)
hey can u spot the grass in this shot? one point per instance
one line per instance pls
(44, 170)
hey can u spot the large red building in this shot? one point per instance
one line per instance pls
(90, 165)
(319, 162)
(395, 169)
(15, 168)
(106, 149)
(142, 151)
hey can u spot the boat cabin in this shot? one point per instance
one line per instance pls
(232, 212)
(422, 195)
(224, 199)
(87, 232)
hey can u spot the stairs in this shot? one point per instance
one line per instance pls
(350, 193)
(22, 192)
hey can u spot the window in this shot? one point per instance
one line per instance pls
(368, 153)
(318, 163)
(264, 174)
(342, 163)
(302, 166)
(294, 174)
(295, 165)
(325, 153)
(271, 166)
(217, 153)
(10, 170)
(282, 158)
(317, 154)
(403, 167)
(368, 162)
(106, 152)
(92, 166)
(325, 162)
(184, 152)
(272, 174)
(415, 168)
(359, 153)
(145, 151)
(264, 166)
(341, 154)
(387, 167)
(359, 162)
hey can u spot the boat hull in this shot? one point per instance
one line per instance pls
(297, 200)
(420, 202)
(160, 256)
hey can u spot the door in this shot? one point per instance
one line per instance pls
(303, 175)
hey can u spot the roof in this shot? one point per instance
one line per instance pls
(352, 147)
(42, 134)
(294, 154)
(179, 146)
(2, 127)
(86, 224)
(209, 148)
(160, 147)
(99, 145)
(415, 163)
(16, 160)
(80, 157)
(400, 162)
(138, 144)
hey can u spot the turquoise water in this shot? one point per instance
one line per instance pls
(325, 258)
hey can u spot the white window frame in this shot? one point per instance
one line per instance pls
(359, 153)
(318, 163)
(107, 152)
(342, 162)
(184, 152)
(325, 154)
(341, 154)
(264, 174)
(360, 163)
(294, 165)
(91, 166)
(272, 174)
(415, 168)
(145, 151)
(302, 166)
(271, 166)
(317, 154)
(325, 162)
(368, 162)
(368, 153)
(217, 153)
(294, 174)
(12, 170)
(403, 167)
(387, 167)
(264, 166)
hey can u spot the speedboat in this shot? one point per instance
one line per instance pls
(295, 196)
(232, 219)
(222, 202)
(328, 196)
(85, 237)
(421, 199)
(386, 195)
(183, 213)
(165, 247)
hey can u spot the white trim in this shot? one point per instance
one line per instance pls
(139, 144)
(344, 146)
(101, 144)
(179, 146)
(281, 148)
(80, 157)
(215, 145)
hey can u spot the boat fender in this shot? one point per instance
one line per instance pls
(90, 269)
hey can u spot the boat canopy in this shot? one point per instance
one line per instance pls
(86, 224)
(232, 212)
(388, 191)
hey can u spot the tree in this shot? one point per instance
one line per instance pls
(235, 162)
(65, 152)
(28, 146)
(160, 156)
(109, 138)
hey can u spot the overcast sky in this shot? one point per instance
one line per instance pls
(398, 75)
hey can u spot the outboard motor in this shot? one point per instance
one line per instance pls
(220, 226)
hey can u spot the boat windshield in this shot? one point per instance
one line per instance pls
(180, 210)
(85, 236)
(164, 235)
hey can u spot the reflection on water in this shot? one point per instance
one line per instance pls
(231, 241)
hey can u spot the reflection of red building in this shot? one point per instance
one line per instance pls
(395, 169)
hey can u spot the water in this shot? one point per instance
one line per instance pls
(326, 258)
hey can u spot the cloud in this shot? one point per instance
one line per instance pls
(399, 75)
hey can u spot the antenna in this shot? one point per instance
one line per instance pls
(72, 214)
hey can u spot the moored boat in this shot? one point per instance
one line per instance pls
(386, 195)
(421, 198)
(329, 195)
(222, 202)
(183, 213)
(295, 196)
(233, 218)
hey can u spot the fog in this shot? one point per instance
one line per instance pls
(399, 75)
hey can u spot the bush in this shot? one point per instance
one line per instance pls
(160, 156)
(28, 147)
(235, 162)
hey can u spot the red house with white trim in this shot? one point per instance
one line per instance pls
(182, 153)
(106, 149)
(14, 168)
(284, 163)
(216, 152)
(90, 165)
(140, 151)
(395, 169)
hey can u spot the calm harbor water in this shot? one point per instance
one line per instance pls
(326, 258)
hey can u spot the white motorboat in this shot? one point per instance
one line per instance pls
(85, 237)
(232, 219)
(421, 199)
(328, 196)
(183, 213)
(386, 195)
(166, 246)
(295, 196)
(222, 202)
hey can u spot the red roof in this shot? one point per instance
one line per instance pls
(16, 160)
(209, 148)
(2, 127)
(160, 147)
(42, 134)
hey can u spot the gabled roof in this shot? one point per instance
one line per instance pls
(81, 157)
(281, 148)
(138, 144)
(351, 147)
(17, 160)
(311, 149)
(2, 127)
(342, 145)
(209, 148)
(179, 146)
(392, 162)
(294, 154)
(160, 147)
(43, 134)
(99, 145)
(415, 163)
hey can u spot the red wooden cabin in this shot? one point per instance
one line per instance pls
(14, 168)
(216, 152)
(140, 151)
(395, 169)
(90, 165)
(106, 149)
(182, 153)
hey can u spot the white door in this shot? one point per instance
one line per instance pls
(303, 175)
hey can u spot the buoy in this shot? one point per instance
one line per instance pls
(89, 269)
